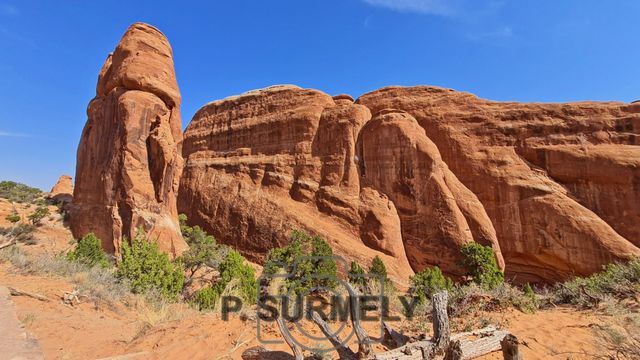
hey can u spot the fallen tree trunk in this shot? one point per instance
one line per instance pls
(7, 244)
(16, 292)
(343, 350)
(364, 342)
(297, 351)
(392, 337)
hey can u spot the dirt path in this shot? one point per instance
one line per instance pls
(15, 342)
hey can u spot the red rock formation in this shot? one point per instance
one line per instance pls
(129, 157)
(437, 212)
(558, 181)
(269, 161)
(62, 191)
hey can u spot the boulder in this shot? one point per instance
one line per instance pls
(129, 159)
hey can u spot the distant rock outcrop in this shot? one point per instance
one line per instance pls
(129, 158)
(62, 191)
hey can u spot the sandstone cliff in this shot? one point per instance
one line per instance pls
(410, 174)
(129, 159)
(552, 188)
(558, 181)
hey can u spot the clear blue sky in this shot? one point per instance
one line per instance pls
(546, 50)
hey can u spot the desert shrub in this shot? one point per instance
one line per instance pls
(355, 275)
(22, 233)
(13, 218)
(88, 251)
(203, 249)
(205, 298)
(615, 280)
(18, 192)
(378, 268)
(621, 339)
(307, 260)
(38, 214)
(234, 266)
(481, 265)
(428, 282)
(147, 268)
(234, 272)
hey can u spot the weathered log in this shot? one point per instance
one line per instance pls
(254, 353)
(454, 351)
(343, 351)
(364, 342)
(16, 292)
(510, 350)
(7, 244)
(392, 337)
(481, 332)
(414, 350)
(467, 345)
(490, 342)
(297, 350)
(441, 332)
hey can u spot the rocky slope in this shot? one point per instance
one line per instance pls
(129, 161)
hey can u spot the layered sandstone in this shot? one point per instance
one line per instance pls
(264, 163)
(438, 213)
(129, 158)
(559, 182)
(269, 161)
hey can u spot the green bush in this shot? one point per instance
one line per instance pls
(356, 273)
(300, 260)
(13, 218)
(234, 266)
(38, 214)
(18, 192)
(378, 268)
(615, 280)
(147, 268)
(205, 298)
(481, 265)
(203, 249)
(22, 233)
(428, 282)
(89, 252)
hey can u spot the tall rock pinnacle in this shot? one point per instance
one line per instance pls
(129, 157)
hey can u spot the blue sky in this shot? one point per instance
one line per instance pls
(546, 50)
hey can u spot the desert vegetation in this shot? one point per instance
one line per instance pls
(208, 270)
(19, 193)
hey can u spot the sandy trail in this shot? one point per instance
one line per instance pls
(15, 342)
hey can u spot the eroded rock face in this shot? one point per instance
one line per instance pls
(438, 213)
(559, 182)
(62, 191)
(129, 158)
(270, 161)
